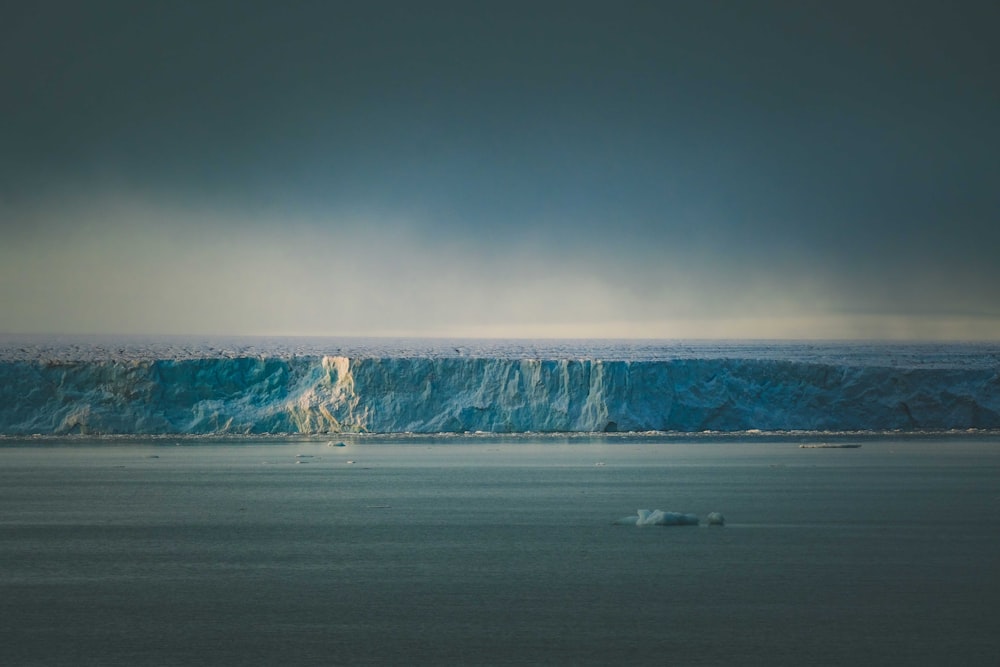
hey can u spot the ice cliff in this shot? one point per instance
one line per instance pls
(504, 394)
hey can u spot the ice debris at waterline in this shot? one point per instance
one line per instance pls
(497, 387)
(660, 518)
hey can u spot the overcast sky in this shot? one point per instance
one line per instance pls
(574, 169)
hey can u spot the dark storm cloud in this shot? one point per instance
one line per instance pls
(688, 157)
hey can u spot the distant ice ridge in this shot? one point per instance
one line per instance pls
(780, 387)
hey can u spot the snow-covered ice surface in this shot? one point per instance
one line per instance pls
(145, 348)
(174, 385)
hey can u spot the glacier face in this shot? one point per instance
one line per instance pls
(727, 390)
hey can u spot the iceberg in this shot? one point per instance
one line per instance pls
(659, 518)
(665, 389)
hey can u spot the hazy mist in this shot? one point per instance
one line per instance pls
(675, 169)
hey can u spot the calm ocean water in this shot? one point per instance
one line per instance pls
(499, 552)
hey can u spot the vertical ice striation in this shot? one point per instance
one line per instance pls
(323, 400)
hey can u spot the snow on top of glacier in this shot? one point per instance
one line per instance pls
(852, 353)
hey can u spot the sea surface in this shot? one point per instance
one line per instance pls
(499, 551)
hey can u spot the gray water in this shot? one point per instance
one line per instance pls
(499, 552)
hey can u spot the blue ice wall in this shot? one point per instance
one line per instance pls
(330, 394)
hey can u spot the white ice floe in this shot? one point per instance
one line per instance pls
(659, 518)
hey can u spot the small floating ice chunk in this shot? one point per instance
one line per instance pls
(716, 519)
